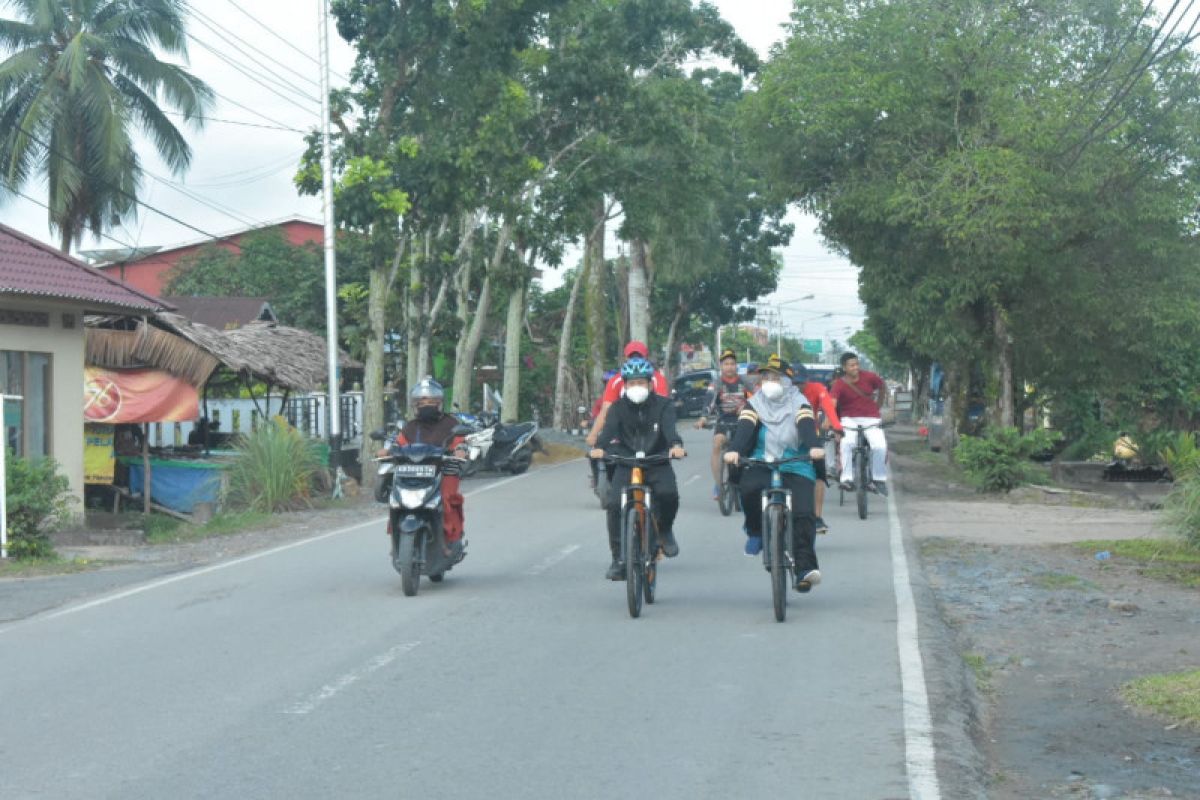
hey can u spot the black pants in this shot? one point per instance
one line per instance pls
(664, 502)
(753, 482)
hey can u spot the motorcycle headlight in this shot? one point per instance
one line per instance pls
(412, 498)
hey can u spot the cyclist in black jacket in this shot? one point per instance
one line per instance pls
(641, 421)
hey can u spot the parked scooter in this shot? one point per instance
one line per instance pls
(498, 446)
(414, 496)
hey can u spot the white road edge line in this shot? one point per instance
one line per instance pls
(919, 753)
(334, 688)
(183, 576)
(552, 559)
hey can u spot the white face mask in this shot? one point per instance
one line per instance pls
(637, 394)
(772, 390)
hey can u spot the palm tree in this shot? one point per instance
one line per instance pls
(81, 76)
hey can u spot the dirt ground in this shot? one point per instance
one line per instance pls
(1046, 634)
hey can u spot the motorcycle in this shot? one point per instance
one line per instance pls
(500, 446)
(412, 475)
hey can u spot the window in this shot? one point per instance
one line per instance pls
(26, 421)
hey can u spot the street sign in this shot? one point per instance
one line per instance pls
(814, 346)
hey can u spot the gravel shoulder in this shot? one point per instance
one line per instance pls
(1029, 638)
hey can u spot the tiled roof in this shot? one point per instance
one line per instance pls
(30, 268)
(224, 313)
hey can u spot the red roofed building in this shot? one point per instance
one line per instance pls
(150, 269)
(43, 297)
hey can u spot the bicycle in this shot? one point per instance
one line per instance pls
(640, 548)
(860, 460)
(729, 500)
(778, 531)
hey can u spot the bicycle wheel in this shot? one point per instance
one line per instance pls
(634, 558)
(726, 500)
(860, 481)
(651, 571)
(776, 532)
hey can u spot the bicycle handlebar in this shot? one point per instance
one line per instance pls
(635, 461)
(774, 462)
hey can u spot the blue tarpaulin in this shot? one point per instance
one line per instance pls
(177, 485)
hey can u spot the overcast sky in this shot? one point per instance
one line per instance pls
(241, 174)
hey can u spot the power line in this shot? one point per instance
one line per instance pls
(250, 75)
(221, 30)
(256, 113)
(37, 202)
(238, 122)
(118, 189)
(273, 32)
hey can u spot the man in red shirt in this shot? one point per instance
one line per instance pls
(616, 387)
(859, 393)
(820, 399)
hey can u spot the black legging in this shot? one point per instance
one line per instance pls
(753, 481)
(664, 499)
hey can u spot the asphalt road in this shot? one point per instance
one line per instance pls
(304, 672)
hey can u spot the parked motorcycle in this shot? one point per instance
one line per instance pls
(413, 479)
(502, 446)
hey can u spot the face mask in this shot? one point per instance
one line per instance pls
(637, 394)
(772, 390)
(428, 413)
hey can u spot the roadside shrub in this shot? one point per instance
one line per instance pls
(274, 470)
(998, 461)
(38, 498)
(1181, 455)
(1182, 506)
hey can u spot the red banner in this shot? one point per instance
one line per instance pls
(137, 395)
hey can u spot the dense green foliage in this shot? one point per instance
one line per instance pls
(1018, 184)
(38, 498)
(998, 461)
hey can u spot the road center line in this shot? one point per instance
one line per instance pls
(332, 689)
(919, 753)
(552, 559)
(183, 576)
(691, 480)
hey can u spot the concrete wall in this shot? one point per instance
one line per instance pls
(66, 349)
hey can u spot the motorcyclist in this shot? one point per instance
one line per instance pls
(435, 427)
(641, 421)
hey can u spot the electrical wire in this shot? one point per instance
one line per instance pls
(238, 122)
(250, 75)
(272, 31)
(231, 37)
(37, 202)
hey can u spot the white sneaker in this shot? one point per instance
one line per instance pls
(808, 581)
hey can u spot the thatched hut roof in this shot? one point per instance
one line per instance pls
(287, 357)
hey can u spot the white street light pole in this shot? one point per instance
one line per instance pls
(4, 475)
(335, 411)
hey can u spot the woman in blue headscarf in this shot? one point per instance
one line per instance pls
(778, 422)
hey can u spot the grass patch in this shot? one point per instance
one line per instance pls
(1175, 698)
(39, 567)
(1172, 560)
(1149, 550)
(1054, 581)
(983, 673)
(175, 531)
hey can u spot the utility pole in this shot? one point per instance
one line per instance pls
(334, 401)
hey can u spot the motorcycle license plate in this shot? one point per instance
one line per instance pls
(416, 470)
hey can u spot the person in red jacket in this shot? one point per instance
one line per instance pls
(433, 426)
(820, 399)
(615, 388)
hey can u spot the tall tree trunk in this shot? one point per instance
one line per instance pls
(373, 369)
(639, 293)
(595, 301)
(561, 401)
(680, 312)
(621, 313)
(461, 388)
(412, 334)
(464, 367)
(431, 315)
(1006, 413)
(511, 393)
